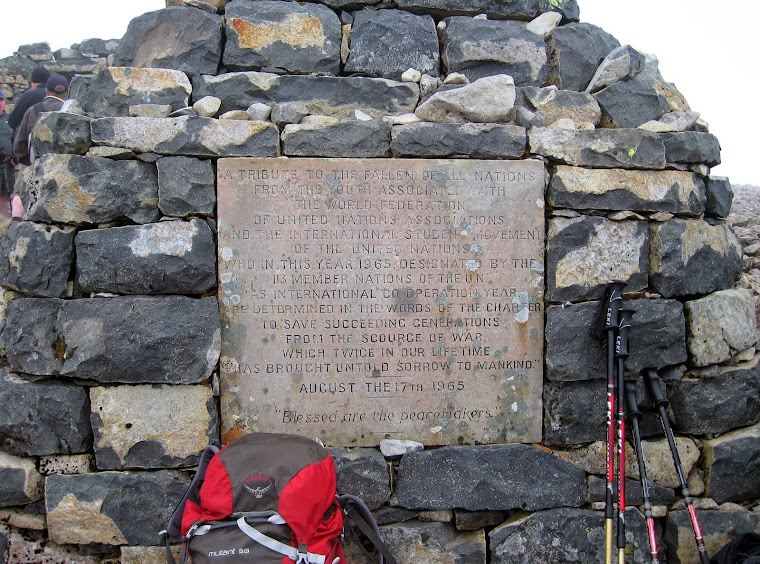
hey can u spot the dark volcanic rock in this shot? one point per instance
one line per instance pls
(169, 257)
(716, 399)
(111, 508)
(385, 43)
(31, 340)
(20, 483)
(81, 190)
(350, 138)
(488, 478)
(326, 95)
(732, 462)
(585, 253)
(189, 135)
(37, 258)
(171, 339)
(362, 472)
(477, 140)
(573, 413)
(43, 417)
(669, 191)
(112, 91)
(292, 36)
(478, 48)
(601, 148)
(692, 147)
(720, 196)
(575, 51)
(634, 494)
(61, 132)
(512, 10)
(657, 339)
(718, 529)
(186, 186)
(178, 37)
(564, 535)
(631, 103)
(690, 257)
(421, 542)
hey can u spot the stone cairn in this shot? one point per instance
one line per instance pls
(110, 330)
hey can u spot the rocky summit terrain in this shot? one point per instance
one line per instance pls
(745, 219)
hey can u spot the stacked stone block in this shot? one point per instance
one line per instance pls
(111, 329)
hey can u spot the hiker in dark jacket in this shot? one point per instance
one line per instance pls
(7, 162)
(57, 90)
(31, 97)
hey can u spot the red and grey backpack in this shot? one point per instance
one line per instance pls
(266, 498)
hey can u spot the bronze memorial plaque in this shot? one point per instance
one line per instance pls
(365, 299)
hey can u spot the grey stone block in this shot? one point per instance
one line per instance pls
(144, 43)
(324, 95)
(113, 90)
(488, 478)
(690, 257)
(732, 463)
(362, 472)
(43, 417)
(186, 186)
(189, 136)
(385, 43)
(477, 140)
(111, 508)
(479, 47)
(79, 190)
(719, 326)
(584, 254)
(36, 258)
(601, 148)
(151, 426)
(169, 257)
(292, 36)
(563, 535)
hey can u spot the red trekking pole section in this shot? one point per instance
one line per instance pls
(659, 399)
(621, 354)
(634, 415)
(607, 323)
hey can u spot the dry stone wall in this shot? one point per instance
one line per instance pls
(111, 326)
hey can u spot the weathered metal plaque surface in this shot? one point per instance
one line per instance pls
(370, 299)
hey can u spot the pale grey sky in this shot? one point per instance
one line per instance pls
(703, 47)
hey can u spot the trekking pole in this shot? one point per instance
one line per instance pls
(607, 322)
(621, 354)
(661, 402)
(635, 415)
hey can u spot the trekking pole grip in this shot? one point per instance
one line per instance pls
(614, 302)
(621, 343)
(632, 399)
(655, 388)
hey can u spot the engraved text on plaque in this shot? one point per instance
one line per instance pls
(365, 299)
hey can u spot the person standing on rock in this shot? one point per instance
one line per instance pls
(31, 97)
(57, 91)
(7, 161)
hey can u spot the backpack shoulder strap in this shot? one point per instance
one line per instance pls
(356, 510)
(173, 529)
